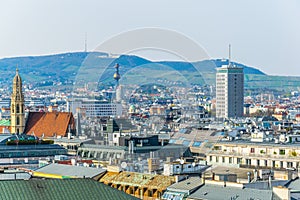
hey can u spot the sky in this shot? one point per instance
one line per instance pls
(263, 34)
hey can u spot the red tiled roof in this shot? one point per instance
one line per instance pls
(49, 123)
(4, 127)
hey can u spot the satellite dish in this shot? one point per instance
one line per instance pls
(124, 165)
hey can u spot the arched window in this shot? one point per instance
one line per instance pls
(18, 120)
(18, 108)
(13, 108)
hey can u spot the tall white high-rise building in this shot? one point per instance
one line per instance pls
(229, 91)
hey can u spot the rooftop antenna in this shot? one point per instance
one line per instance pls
(229, 56)
(85, 42)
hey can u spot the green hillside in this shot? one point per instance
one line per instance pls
(82, 67)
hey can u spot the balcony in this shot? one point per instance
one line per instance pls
(253, 155)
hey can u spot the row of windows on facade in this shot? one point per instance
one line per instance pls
(249, 162)
(104, 109)
(99, 106)
(31, 153)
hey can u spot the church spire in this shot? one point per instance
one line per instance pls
(17, 106)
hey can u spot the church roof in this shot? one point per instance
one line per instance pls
(17, 78)
(48, 124)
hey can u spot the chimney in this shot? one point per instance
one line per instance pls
(249, 177)
(73, 161)
(270, 181)
(203, 178)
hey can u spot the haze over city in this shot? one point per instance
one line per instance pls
(263, 34)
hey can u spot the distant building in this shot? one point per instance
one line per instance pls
(94, 108)
(5, 113)
(5, 126)
(24, 150)
(256, 154)
(177, 168)
(229, 91)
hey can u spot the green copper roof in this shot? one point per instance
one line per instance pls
(75, 189)
(4, 122)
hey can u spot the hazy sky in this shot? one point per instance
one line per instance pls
(263, 34)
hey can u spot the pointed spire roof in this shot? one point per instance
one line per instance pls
(17, 77)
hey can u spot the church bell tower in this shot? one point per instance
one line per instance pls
(17, 106)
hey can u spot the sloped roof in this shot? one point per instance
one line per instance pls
(75, 189)
(138, 179)
(216, 192)
(70, 170)
(186, 185)
(4, 122)
(48, 124)
(5, 126)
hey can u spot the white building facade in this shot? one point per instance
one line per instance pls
(255, 154)
(95, 108)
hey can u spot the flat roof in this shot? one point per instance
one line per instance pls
(70, 170)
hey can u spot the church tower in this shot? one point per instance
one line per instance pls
(17, 106)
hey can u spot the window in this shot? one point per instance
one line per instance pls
(230, 160)
(248, 161)
(281, 151)
(252, 150)
(18, 120)
(239, 160)
(18, 108)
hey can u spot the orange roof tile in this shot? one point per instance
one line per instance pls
(49, 124)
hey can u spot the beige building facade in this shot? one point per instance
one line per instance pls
(255, 155)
